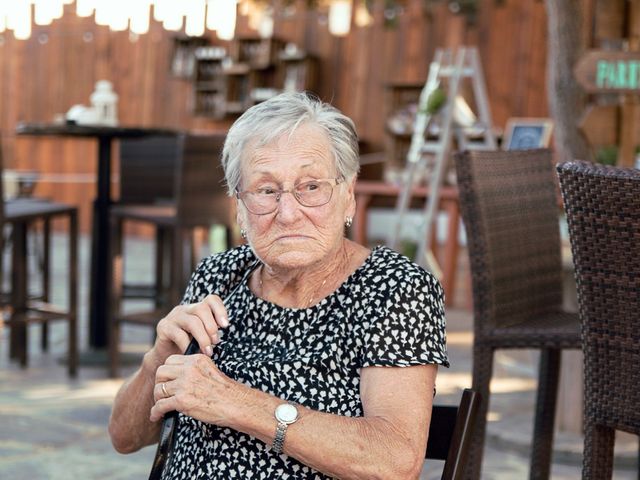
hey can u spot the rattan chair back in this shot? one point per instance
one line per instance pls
(603, 214)
(509, 205)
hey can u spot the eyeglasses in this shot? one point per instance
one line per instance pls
(263, 201)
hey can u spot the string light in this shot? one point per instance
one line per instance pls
(227, 25)
(19, 19)
(139, 23)
(43, 12)
(195, 16)
(340, 17)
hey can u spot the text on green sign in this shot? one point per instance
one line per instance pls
(620, 74)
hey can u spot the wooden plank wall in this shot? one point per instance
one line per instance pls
(39, 78)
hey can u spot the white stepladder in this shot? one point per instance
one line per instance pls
(444, 68)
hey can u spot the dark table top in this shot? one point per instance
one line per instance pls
(74, 130)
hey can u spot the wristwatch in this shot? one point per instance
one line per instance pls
(285, 414)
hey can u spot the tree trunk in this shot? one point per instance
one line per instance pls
(566, 98)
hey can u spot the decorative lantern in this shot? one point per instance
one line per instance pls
(105, 103)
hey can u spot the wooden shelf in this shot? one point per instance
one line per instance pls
(299, 72)
(399, 98)
(255, 70)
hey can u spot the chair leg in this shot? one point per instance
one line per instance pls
(116, 265)
(228, 232)
(19, 333)
(114, 350)
(195, 246)
(159, 264)
(46, 250)
(73, 292)
(548, 377)
(178, 269)
(482, 371)
(598, 452)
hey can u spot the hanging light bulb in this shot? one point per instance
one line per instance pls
(140, 17)
(20, 19)
(43, 12)
(10, 15)
(173, 16)
(173, 23)
(103, 12)
(265, 28)
(244, 7)
(118, 16)
(255, 16)
(340, 17)
(195, 17)
(213, 14)
(362, 17)
(3, 17)
(227, 25)
(84, 8)
(160, 9)
(57, 9)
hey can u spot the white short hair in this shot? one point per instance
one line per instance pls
(283, 114)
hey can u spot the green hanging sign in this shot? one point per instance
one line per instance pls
(604, 71)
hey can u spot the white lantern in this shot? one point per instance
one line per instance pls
(105, 102)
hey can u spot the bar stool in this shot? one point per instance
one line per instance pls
(603, 214)
(147, 178)
(20, 215)
(509, 205)
(197, 200)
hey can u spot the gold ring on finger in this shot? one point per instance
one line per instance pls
(164, 390)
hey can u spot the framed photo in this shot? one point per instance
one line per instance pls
(527, 133)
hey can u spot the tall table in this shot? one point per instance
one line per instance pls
(100, 237)
(371, 193)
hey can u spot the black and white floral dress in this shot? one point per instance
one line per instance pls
(389, 312)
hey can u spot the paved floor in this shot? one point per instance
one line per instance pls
(55, 428)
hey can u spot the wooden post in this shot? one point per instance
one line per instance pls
(609, 20)
(630, 112)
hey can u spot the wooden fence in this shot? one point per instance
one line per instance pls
(59, 65)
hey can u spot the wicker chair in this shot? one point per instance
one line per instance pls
(196, 199)
(508, 201)
(603, 213)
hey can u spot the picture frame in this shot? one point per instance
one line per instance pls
(527, 133)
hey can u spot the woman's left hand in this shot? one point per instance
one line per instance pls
(194, 385)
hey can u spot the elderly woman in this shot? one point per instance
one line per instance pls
(329, 356)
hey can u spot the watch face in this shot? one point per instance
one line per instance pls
(286, 413)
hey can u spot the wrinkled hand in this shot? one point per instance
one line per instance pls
(200, 320)
(194, 385)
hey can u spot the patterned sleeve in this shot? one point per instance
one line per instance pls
(410, 328)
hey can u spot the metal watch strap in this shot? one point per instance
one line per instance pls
(278, 441)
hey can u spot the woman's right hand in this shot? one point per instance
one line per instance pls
(200, 321)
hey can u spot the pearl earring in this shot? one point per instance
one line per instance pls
(348, 222)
